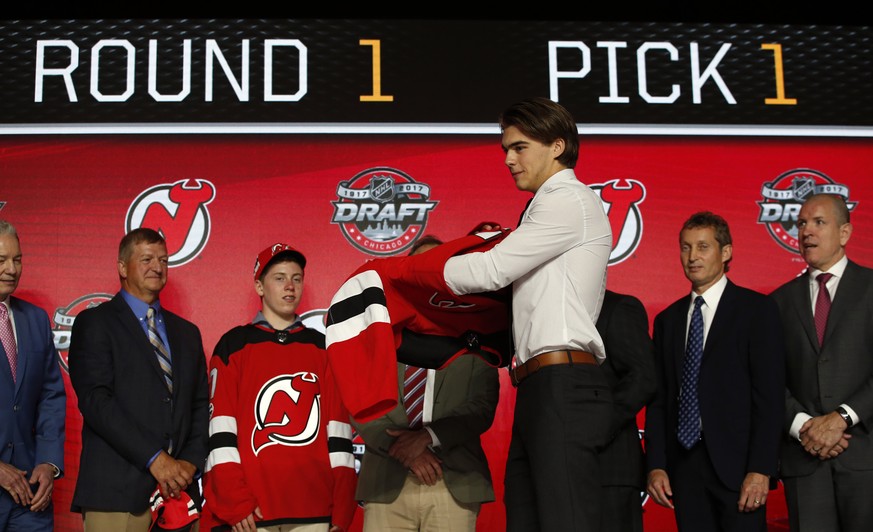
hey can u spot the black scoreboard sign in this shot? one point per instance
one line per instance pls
(349, 72)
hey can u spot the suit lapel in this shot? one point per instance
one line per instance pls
(843, 299)
(135, 330)
(803, 305)
(720, 327)
(680, 332)
(23, 335)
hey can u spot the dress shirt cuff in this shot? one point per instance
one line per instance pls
(798, 422)
(852, 414)
(152, 459)
(433, 437)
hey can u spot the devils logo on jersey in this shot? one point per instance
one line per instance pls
(287, 411)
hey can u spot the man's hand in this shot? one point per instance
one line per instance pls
(822, 434)
(409, 445)
(14, 481)
(44, 476)
(248, 524)
(173, 476)
(658, 486)
(753, 492)
(427, 468)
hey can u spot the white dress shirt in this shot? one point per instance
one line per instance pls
(556, 262)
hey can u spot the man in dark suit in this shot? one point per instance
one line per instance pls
(630, 370)
(712, 431)
(32, 402)
(827, 449)
(432, 475)
(140, 375)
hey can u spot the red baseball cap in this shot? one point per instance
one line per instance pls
(269, 254)
(172, 514)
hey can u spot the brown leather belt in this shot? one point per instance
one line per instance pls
(518, 374)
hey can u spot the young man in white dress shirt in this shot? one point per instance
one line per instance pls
(556, 263)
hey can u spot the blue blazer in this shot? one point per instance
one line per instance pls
(741, 390)
(33, 408)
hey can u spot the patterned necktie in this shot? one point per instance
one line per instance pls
(413, 394)
(822, 306)
(689, 408)
(160, 349)
(8, 339)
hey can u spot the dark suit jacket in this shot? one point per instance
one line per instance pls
(33, 408)
(465, 399)
(127, 411)
(741, 388)
(630, 370)
(841, 371)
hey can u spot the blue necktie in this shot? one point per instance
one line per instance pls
(160, 349)
(689, 407)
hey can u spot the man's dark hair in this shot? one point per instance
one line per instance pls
(544, 121)
(426, 240)
(719, 226)
(138, 236)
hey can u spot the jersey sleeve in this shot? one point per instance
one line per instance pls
(225, 489)
(342, 461)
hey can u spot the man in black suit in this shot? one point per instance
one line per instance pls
(630, 370)
(712, 431)
(140, 375)
(827, 449)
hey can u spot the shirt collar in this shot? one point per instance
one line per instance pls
(259, 319)
(713, 294)
(837, 269)
(138, 306)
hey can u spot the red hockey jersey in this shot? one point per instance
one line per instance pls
(387, 300)
(279, 437)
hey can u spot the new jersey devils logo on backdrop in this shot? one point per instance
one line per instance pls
(621, 199)
(784, 196)
(178, 211)
(287, 411)
(382, 211)
(63, 323)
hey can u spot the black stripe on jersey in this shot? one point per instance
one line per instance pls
(355, 305)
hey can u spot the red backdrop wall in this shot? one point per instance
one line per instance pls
(71, 198)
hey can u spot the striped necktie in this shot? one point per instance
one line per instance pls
(7, 336)
(413, 394)
(160, 349)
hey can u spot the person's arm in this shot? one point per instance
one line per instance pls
(92, 359)
(224, 481)
(556, 223)
(342, 461)
(630, 354)
(474, 416)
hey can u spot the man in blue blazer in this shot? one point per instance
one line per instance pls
(32, 402)
(712, 453)
(145, 418)
(827, 448)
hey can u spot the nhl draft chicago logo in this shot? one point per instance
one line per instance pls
(178, 211)
(382, 211)
(62, 323)
(287, 411)
(621, 199)
(783, 197)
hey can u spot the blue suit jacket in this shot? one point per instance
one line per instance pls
(741, 390)
(33, 408)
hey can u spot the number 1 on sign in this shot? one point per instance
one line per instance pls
(377, 95)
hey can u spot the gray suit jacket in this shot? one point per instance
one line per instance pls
(841, 371)
(465, 399)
